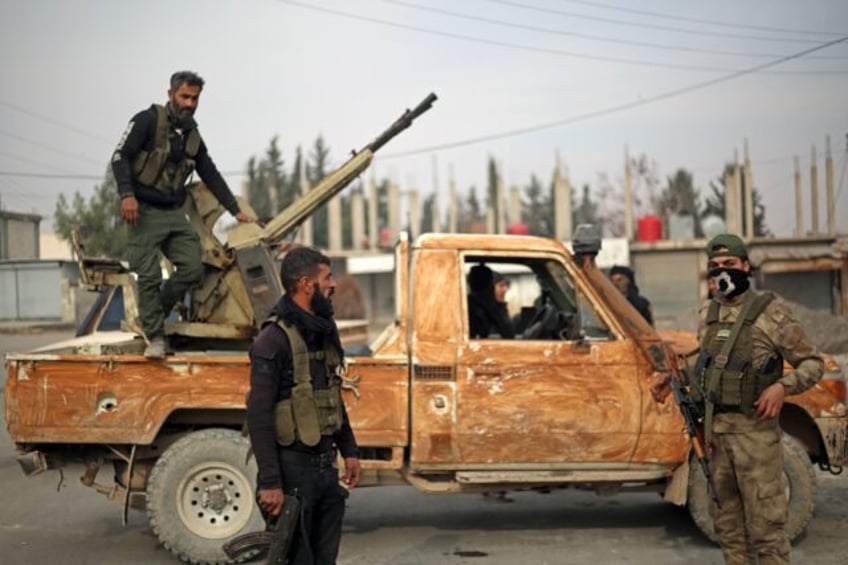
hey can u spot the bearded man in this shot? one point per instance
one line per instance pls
(295, 414)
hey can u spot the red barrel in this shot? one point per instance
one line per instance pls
(518, 228)
(649, 228)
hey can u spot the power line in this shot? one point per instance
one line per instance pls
(50, 148)
(605, 39)
(54, 122)
(701, 20)
(560, 52)
(649, 26)
(614, 109)
(75, 176)
(32, 162)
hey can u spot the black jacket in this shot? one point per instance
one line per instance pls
(140, 135)
(272, 379)
(487, 316)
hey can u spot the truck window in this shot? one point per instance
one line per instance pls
(538, 297)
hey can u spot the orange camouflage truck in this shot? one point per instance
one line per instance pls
(565, 403)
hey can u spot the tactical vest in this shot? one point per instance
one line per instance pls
(724, 375)
(309, 414)
(155, 169)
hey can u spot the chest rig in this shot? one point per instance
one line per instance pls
(310, 412)
(725, 378)
(156, 168)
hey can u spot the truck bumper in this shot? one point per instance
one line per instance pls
(834, 433)
(32, 462)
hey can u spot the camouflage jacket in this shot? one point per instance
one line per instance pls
(774, 332)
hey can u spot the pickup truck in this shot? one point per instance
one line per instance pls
(563, 404)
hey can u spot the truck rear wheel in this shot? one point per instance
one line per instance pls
(799, 480)
(200, 494)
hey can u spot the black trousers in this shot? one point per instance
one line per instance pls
(314, 479)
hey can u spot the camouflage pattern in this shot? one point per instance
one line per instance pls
(747, 461)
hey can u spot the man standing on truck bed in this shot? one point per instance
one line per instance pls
(156, 155)
(295, 413)
(739, 382)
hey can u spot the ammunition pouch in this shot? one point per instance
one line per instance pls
(309, 413)
(155, 169)
(724, 372)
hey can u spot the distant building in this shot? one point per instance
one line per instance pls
(19, 237)
(53, 247)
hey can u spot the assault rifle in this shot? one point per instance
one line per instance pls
(277, 541)
(691, 417)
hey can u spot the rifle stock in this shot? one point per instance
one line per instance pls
(277, 541)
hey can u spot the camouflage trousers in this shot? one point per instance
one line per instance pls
(748, 472)
(165, 231)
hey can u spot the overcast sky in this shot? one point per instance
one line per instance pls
(74, 72)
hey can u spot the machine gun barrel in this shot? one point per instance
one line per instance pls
(402, 123)
(245, 235)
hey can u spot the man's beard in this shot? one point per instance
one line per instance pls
(182, 116)
(320, 304)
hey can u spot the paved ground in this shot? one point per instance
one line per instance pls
(398, 525)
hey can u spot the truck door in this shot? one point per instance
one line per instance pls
(563, 391)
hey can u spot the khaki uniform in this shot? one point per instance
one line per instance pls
(747, 461)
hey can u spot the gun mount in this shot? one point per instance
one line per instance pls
(241, 281)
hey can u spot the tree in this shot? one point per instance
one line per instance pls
(492, 204)
(645, 179)
(586, 211)
(427, 211)
(537, 208)
(268, 189)
(714, 204)
(275, 177)
(472, 215)
(681, 197)
(257, 196)
(102, 230)
(610, 207)
(316, 170)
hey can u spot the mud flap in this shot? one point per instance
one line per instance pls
(676, 490)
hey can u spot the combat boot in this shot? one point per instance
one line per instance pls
(155, 349)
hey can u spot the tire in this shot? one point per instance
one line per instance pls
(201, 494)
(799, 478)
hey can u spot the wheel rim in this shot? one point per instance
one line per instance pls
(214, 500)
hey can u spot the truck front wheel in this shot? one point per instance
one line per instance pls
(200, 494)
(799, 483)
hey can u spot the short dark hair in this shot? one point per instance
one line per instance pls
(300, 262)
(186, 77)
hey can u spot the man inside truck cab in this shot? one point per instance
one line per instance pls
(156, 155)
(487, 316)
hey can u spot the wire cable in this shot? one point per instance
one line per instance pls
(54, 149)
(649, 26)
(55, 122)
(702, 20)
(605, 39)
(560, 52)
(614, 109)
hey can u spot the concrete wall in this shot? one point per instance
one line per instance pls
(38, 290)
(19, 238)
